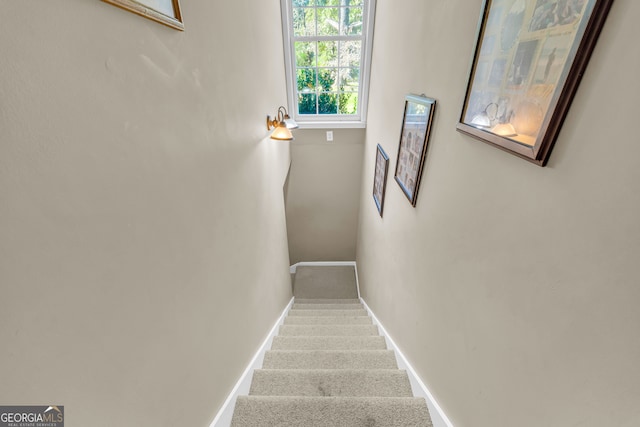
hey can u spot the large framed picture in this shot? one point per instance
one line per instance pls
(166, 12)
(528, 61)
(414, 138)
(380, 178)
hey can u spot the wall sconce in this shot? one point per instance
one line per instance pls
(282, 123)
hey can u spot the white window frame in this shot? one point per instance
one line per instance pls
(316, 121)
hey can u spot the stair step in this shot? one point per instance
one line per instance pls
(327, 330)
(305, 306)
(329, 343)
(329, 359)
(327, 382)
(330, 312)
(327, 320)
(326, 301)
(254, 411)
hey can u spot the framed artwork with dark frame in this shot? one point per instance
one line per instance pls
(166, 12)
(412, 149)
(380, 178)
(529, 58)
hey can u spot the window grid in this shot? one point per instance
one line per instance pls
(341, 13)
(340, 39)
(328, 85)
(343, 92)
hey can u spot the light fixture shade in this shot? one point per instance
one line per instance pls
(504, 129)
(282, 133)
(291, 124)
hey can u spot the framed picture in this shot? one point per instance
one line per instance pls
(414, 137)
(380, 178)
(166, 12)
(528, 61)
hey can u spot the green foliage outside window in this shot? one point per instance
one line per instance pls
(327, 71)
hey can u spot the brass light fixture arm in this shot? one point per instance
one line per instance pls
(280, 116)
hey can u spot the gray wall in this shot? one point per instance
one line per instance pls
(513, 289)
(323, 195)
(143, 252)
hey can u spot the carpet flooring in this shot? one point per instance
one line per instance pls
(328, 365)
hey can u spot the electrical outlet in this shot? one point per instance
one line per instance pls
(330, 136)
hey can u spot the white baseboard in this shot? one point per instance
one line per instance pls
(438, 417)
(292, 269)
(223, 418)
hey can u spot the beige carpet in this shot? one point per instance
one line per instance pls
(328, 365)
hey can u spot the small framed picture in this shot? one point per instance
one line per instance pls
(380, 178)
(166, 12)
(414, 138)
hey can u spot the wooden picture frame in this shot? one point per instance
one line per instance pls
(529, 58)
(166, 12)
(412, 149)
(380, 178)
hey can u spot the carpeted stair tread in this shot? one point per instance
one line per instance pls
(327, 320)
(305, 306)
(329, 359)
(296, 312)
(327, 330)
(329, 343)
(331, 382)
(327, 301)
(252, 411)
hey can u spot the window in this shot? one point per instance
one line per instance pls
(327, 58)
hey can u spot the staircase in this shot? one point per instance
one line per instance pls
(328, 366)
